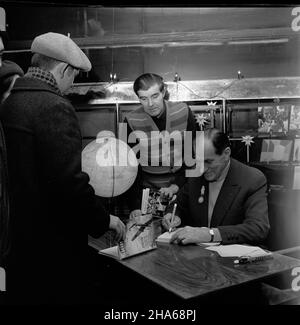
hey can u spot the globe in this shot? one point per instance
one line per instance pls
(110, 163)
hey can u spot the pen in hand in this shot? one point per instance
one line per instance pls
(172, 217)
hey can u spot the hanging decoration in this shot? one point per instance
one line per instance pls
(201, 120)
(212, 107)
(247, 139)
(211, 103)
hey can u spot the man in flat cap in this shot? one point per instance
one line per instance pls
(53, 207)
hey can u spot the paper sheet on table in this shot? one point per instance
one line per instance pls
(111, 251)
(238, 250)
(166, 237)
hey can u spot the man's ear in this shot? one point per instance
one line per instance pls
(61, 69)
(164, 90)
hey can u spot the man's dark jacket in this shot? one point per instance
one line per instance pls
(241, 209)
(53, 207)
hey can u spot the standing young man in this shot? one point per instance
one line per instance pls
(160, 115)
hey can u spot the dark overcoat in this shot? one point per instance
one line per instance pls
(53, 207)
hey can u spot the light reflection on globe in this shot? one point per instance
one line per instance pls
(111, 165)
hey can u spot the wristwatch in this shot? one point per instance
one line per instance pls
(212, 234)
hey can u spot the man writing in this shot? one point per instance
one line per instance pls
(227, 204)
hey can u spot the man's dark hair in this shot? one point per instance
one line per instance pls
(219, 140)
(147, 80)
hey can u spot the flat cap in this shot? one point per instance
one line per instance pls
(8, 69)
(61, 48)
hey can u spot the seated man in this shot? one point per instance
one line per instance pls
(227, 204)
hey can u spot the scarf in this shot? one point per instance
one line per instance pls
(43, 75)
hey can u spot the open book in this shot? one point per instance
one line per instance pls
(140, 237)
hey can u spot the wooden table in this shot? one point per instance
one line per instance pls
(192, 271)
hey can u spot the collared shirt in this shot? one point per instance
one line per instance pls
(43, 75)
(214, 190)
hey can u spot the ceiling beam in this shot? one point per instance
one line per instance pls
(208, 38)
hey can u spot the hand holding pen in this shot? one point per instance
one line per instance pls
(170, 220)
(172, 217)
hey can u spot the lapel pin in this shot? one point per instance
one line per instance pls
(201, 198)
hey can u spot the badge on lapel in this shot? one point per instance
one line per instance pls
(201, 197)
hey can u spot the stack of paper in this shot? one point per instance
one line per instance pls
(238, 250)
(165, 237)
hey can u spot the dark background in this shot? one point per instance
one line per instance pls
(110, 27)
